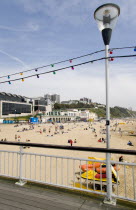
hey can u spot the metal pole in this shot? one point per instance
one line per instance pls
(108, 155)
(21, 182)
(21, 164)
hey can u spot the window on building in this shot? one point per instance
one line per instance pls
(13, 108)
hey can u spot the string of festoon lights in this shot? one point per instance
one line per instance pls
(111, 58)
(68, 60)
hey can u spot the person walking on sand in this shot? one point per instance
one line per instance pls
(19, 138)
(15, 137)
(71, 142)
(56, 128)
(44, 130)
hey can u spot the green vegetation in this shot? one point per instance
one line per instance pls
(25, 118)
(101, 112)
(121, 112)
(115, 112)
(73, 106)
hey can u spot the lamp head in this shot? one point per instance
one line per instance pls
(106, 17)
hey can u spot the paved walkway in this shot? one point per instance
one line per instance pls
(35, 197)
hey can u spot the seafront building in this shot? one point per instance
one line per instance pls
(12, 105)
(69, 115)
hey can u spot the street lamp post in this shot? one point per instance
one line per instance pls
(106, 16)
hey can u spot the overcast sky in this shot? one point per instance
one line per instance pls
(40, 32)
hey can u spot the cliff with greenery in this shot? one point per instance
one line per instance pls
(115, 112)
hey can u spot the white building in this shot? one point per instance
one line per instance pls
(85, 100)
(87, 115)
(70, 102)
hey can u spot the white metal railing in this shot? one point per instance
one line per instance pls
(65, 172)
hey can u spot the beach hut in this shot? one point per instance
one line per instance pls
(34, 120)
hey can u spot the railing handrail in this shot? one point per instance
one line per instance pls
(77, 148)
(72, 158)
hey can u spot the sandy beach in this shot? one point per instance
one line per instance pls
(86, 134)
(83, 133)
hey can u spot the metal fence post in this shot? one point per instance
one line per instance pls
(21, 182)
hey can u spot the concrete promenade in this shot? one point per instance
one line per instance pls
(39, 197)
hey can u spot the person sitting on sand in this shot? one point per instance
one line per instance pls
(130, 143)
(103, 140)
(121, 159)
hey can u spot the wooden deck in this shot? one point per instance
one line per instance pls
(35, 197)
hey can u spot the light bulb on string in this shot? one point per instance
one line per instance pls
(8, 77)
(111, 59)
(70, 60)
(135, 49)
(54, 72)
(52, 65)
(21, 73)
(9, 83)
(72, 67)
(23, 80)
(36, 69)
(111, 52)
(37, 75)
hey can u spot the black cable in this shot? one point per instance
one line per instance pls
(66, 61)
(103, 58)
